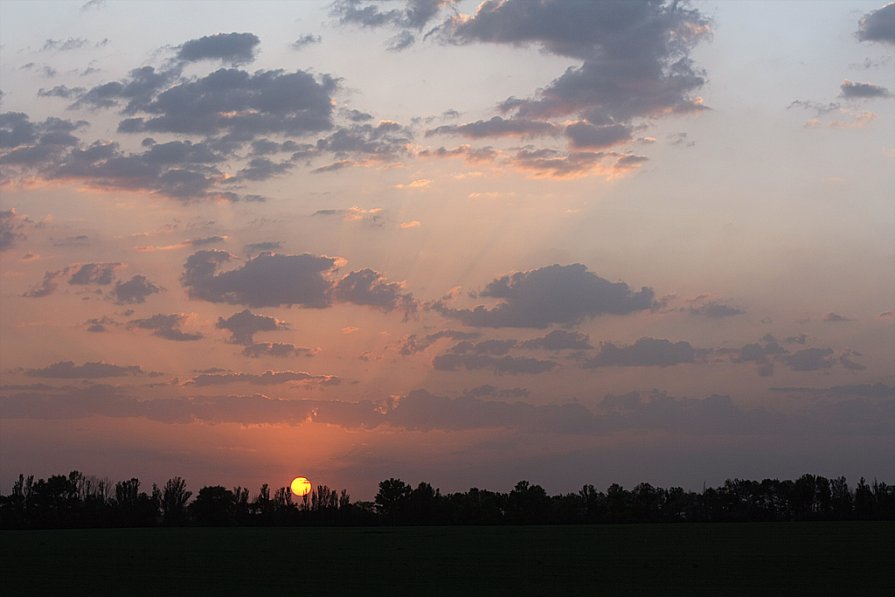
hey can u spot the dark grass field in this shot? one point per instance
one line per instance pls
(846, 558)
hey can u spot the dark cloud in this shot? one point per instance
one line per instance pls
(242, 104)
(166, 326)
(46, 287)
(810, 359)
(98, 325)
(645, 352)
(370, 216)
(264, 379)
(137, 90)
(252, 249)
(714, 310)
(268, 280)
(489, 347)
(549, 162)
(878, 390)
(635, 60)
(277, 349)
(245, 324)
(62, 91)
(262, 169)
(94, 273)
(500, 365)
(856, 90)
(385, 141)
(470, 154)
(11, 228)
(305, 40)
(134, 291)
(847, 362)
(414, 344)
(367, 287)
(25, 144)
(65, 45)
(233, 48)
(878, 25)
(489, 391)
(835, 318)
(553, 294)
(559, 340)
(68, 370)
(583, 135)
(498, 127)
(414, 15)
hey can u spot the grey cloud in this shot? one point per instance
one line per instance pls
(94, 273)
(207, 240)
(384, 141)
(835, 318)
(500, 365)
(98, 325)
(550, 162)
(46, 286)
(553, 294)
(490, 347)
(367, 287)
(245, 324)
(415, 14)
(305, 40)
(68, 370)
(166, 326)
(846, 361)
(878, 25)
(234, 48)
(877, 390)
(498, 127)
(489, 391)
(92, 5)
(264, 379)
(341, 164)
(587, 136)
(262, 247)
(810, 359)
(559, 340)
(62, 91)
(268, 280)
(276, 349)
(262, 169)
(645, 352)
(401, 41)
(138, 90)
(635, 54)
(64, 45)
(714, 310)
(26, 144)
(857, 90)
(414, 344)
(470, 154)
(239, 103)
(134, 291)
(11, 228)
(758, 352)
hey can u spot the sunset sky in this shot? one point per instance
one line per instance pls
(568, 242)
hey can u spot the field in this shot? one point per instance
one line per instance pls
(686, 559)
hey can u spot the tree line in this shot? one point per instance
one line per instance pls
(77, 500)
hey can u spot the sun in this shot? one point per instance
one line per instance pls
(301, 486)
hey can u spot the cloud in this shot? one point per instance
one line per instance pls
(470, 154)
(645, 352)
(264, 379)
(856, 90)
(354, 214)
(98, 325)
(559, 340)
(252, 249)
(414, 344)
(498, 127)
(225, 101)
(305, 40)
(276, 349)
(499, 365)
(810, 359)
(583, 135)
(134, 291)
(491, 347)
(195, 242)
(385, 141)
(166, 326)
(92, 5)
(414, 16)
(635, 55)
(557, 164)
(835, 318)
(245, 324)
(233, 48)
(553, 294)
(367, 287)
(877, 390)
(68, 370)
(94, 273)
(25, 144)
(62, 91)
(11, 228)
(65, 45)
(267, 280)
(714, 310)
(878, 25)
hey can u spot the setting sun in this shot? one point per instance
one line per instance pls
(300, 486)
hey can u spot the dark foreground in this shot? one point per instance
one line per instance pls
(818, 558)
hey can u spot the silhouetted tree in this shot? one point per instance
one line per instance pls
(214, 506)
(174, 500)
(391, 500)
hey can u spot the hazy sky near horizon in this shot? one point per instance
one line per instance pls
(570, 242)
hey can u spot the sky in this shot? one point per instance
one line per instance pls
(469, 244)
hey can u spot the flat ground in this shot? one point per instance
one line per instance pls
(845, 558)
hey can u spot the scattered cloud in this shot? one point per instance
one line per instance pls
(264, 379)
(276, 349)
(553, 294)
(305, 40)
(878, 25)
(244, 325)
(645, 352)
(166, 326)
(94, 370)
(232, 48)
(856, 90)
